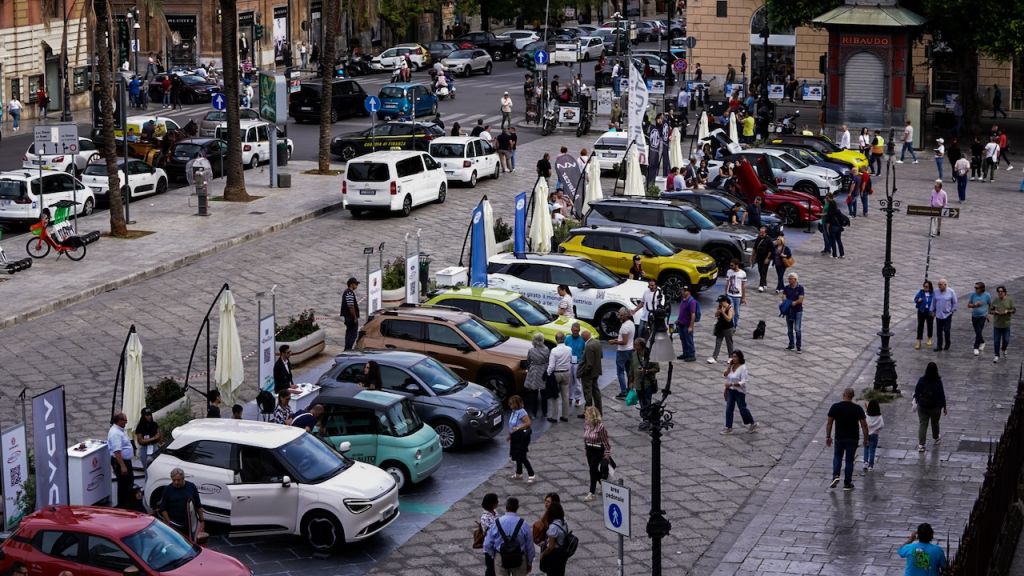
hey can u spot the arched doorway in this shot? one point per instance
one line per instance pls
(864, 90)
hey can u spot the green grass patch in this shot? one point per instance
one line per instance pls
(317, 172)
(869, 394)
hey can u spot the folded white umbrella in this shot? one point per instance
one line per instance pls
(133, 398)
(675, 149)
(541, 228)
(634, 176)
(492, 246)
(734, 134)
(702, 127)
(593, 191)
(229, 372)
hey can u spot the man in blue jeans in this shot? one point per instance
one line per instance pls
(685, 324)
(846, 415)
(794, 293)
(624, 350)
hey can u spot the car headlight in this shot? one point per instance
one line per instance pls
(419, 455)
(357, 505)
(474, 413)
(634, 301)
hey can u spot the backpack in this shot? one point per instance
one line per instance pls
(926, 396)
(571, 542)
(696, 310)
(844, 221)
(510, 552)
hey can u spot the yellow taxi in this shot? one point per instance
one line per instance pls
(615, 248)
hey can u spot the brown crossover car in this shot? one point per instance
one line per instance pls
(468, 345)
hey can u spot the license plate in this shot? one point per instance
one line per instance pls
(497, 420)
(305, 108)
(39, 162)
(367, 192)
(608, 154)
(96, 189)
(449, 172)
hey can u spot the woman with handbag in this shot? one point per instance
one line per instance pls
(536, 376)
(597, 447)
(736, 392)
(519, 425)
(553, 556)
(864, 142)
(782, 257)
(724, 328)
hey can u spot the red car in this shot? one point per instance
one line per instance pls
(789, 205)
(93, 541)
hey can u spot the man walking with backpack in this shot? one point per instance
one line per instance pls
(509, 542)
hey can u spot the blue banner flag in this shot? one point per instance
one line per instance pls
(519, 232)
(478, 249)
(49, 435)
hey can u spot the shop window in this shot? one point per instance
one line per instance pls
(16, 87)
(722, 8)
(33, 86)
(80, 79)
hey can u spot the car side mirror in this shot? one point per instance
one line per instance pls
(692, 229)
(286, 481)
(464, 348)
(583, 285)
(513, 321)
(344, 447)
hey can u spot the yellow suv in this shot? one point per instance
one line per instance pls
(615, 248)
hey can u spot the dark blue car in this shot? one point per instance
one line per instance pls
(718, 206)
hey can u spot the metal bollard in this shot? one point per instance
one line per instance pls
(199, 180)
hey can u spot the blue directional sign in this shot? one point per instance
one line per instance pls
(615, 515)
(372, 104)
(540, 57)
(219, 102)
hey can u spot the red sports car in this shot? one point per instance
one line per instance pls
(93, 541)
(789, 205)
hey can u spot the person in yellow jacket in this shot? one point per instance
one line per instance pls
(877, 149)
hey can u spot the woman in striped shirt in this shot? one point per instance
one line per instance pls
(598, 448)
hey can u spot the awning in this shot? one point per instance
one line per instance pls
(870, 15)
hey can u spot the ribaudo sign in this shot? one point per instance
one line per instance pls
(859, 40)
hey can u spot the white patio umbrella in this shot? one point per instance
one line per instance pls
(634, 176)
(541, 229)
(133, 398)
(492, 246)
(734, 134)
(230, 372)
(675, 150)
(593, 193)
(702, 127)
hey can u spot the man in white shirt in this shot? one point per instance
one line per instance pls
(844, 138)
(646, 306)
(908, 143)
(990, 160)
(559, 364)
(506, 109)
(486, 134)
(121, 453)
(624, 350)
(736, 289)
(683, 103)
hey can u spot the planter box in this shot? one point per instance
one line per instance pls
(183, 401)
(504, 246)
(307, 347)
(392, 298)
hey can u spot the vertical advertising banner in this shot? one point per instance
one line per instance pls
(50, 443)
(412, 279)
(568, 172)
(519, 230)
(478, 249)
(267, 345)
(638, 102)
(14, 452)
(374, 291)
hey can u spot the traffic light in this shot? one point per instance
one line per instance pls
(124, 41)
(258, 32)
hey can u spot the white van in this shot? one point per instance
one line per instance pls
(255, 140)
(21, 199)
(392, 181)
(466, 158)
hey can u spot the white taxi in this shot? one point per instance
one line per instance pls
(597, 292)
(255, 140)
(263, 478)
(73, 162)
(143, 179)
(610, 149)
(466, 158)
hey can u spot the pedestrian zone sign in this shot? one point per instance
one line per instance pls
(616, 508)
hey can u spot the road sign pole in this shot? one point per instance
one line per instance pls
(622, 547)
(928, 254)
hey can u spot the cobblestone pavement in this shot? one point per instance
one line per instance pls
(714, 485)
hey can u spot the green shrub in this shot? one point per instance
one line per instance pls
(561, 232)
(167, 390)
(394, 274)
(172, 420)
(869, 394)
(297, 328)
(653, 191)
(27, 497)
(502, 231)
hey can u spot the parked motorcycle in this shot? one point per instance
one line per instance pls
(787, 126)
(550, 120)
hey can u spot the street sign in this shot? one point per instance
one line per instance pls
(932, 211)
(372, 104)
(616, 508)
(540, 57)
(679, 66)
(540, 67)
(691, 42)
(219, 102)
(52, 140)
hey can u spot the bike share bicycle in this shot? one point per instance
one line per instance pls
(57, 235)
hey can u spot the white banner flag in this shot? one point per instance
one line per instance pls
(15, 471)
(638, 101)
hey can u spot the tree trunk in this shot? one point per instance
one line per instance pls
(327, 60)
(970, 104)
(105, 93)
(234, 189)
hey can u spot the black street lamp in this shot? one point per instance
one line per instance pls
(657, 420)
(885, 367)
(65, 113)
(764, 109)
(133, 25)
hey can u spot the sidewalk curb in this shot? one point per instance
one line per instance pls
(180, 262)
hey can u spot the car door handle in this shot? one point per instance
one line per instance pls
(242, 498)
(391, 346)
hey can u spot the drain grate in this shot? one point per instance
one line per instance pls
(976, 445)
(256, 212)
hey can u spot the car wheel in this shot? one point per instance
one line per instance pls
(497, 171)
(500, 383)
(348, 152)
(322, 531)
(398, 472)
(607, 320)
(807, 187)
(466, 71)
(161, 186)
(672, 285)
(434, 109)
(254, 161)
(788, 214)
(447, 434)
(89, 206)
(442, 194)
(406, 206)
(472, 180)
(586, 56)
(722, 256)
(488, 69)
(334, 115)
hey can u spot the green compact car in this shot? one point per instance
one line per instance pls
(510, 313)
(382, 429)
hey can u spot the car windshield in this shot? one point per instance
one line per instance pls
(12, 189)
(793, 160)
(392, 92)
(367, 172)
(439, 377)
(93, 170)
(447, 150)
(657, 245)
(538, 45)
(700, 219)
(312, 460)
(161, 548)
(463, 54)
(530, 311)
(402, 419)
(216, 116)
(193, 80)
(185, 151)
(598, 276)
(481, 334)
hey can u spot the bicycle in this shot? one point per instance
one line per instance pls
(63, 241)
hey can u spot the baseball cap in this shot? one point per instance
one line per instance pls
(352, 279)
(147, 412)
(940, 140)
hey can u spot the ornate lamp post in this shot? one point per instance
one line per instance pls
(885, 367)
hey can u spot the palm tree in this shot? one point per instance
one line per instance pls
(327, 61)
(104, 92)
(234, 189)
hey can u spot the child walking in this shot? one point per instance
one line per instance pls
(875, 424)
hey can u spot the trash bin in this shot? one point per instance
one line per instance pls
(424, 273)
(282, 153)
